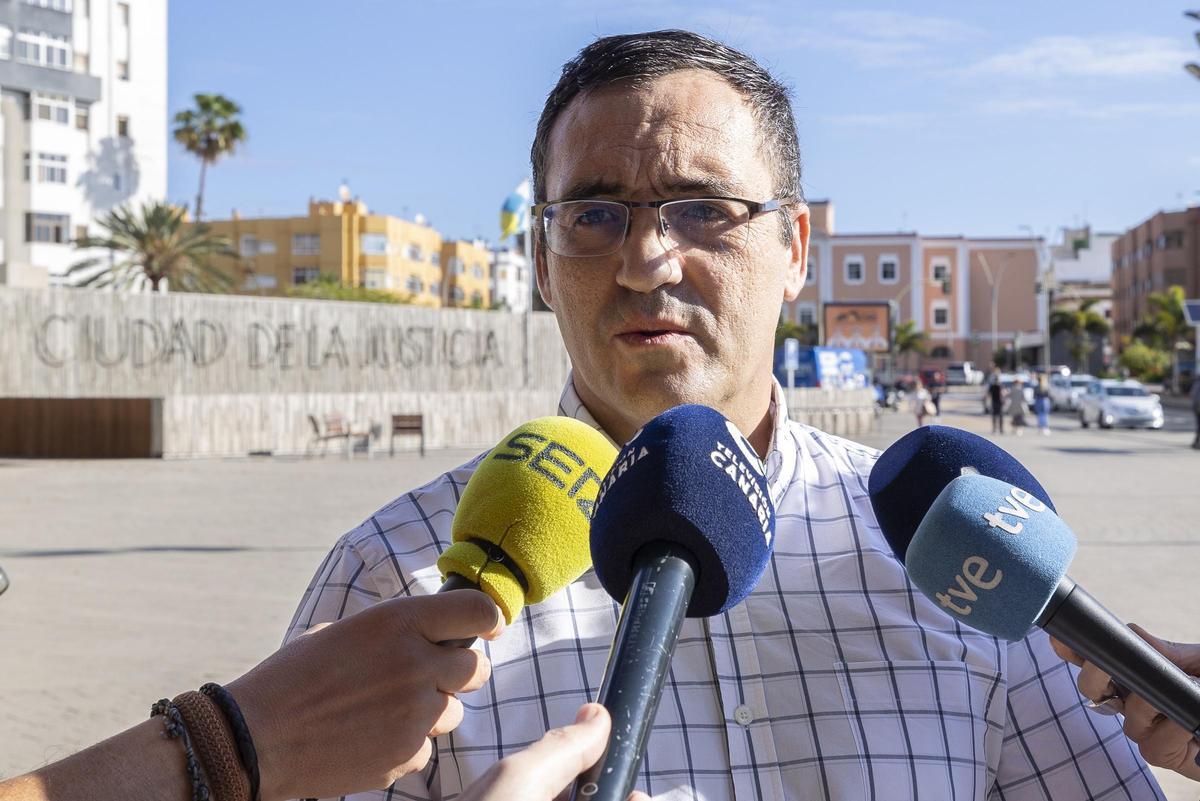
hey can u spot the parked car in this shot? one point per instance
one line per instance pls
(1008, 380)
(963, 373)
(1110, 403)
(1065, 390)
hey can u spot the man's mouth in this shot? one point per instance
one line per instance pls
(653, 336)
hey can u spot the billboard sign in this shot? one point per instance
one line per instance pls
(858, 325)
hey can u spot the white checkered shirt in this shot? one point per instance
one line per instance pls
(835, 679)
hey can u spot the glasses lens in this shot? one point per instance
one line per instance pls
(585, 227)
(715, 225)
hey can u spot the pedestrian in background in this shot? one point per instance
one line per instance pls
(1041, 404)
(1018, 406)
(921, 403)
(936, 391)
(1196, 408)
(995, 392)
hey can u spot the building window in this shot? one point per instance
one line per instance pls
(305, 275)
(46, 227)
(941, 270)
(44, 50)
(251, 245)
(123, 127)
(889, 269)
(812, 268)
(806, 314)
(123, 70)
(414, 285)
(941, 315)
(83, 63)
(455, 265)
(54, 108)
(854, 269)
(80, 232)
(477, 270)
(503, 274)
(5, 41)
(436, 288)
(57, 5)
(51, 168)
(435, 259)
(940, 352)
(82, 119)
(373, 244)
(414, 252)
(376, 279)
(1171, 240)
(457, 295)
(306, 244)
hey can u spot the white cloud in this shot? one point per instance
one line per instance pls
(1077, 109)
(1052, 57)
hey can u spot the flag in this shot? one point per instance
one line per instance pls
(514, 212)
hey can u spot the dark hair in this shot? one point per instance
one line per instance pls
(638, 58)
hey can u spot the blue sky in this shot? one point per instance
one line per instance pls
(940, 117)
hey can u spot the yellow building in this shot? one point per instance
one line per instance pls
(344, 241)
(467, 271)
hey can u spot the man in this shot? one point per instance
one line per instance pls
(1196, 407)
(835, 678)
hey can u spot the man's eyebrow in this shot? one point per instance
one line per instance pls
(606, 187)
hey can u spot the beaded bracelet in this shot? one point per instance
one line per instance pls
(175, 728)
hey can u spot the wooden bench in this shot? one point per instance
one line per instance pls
(407, 424)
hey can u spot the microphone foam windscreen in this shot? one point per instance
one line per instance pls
(521, 528)
(689, 477)
(910, 474)
(991, 554)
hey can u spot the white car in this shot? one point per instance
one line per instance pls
(1111, 403)
(963, 373)
(1065, 390)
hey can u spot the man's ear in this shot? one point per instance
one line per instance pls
(797, 272)
(542, 271)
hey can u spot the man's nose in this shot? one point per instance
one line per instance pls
(648, 259)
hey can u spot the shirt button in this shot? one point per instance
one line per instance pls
(743, 715)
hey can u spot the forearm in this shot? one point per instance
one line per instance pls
(139, 764)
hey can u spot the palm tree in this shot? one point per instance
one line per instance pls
(909, 340)
(209, 131)
(1165, 327)
(1080, 325)
(149, 244)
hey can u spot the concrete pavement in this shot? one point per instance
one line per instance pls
(134, 580)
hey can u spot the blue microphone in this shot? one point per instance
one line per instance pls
(683, 526)
(909, 475)
(995, 557)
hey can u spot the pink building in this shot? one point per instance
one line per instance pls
(970, 295)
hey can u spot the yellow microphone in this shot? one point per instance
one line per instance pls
(521, 531)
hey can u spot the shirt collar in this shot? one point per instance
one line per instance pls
(780, 462)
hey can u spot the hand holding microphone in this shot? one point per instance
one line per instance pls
(1162, 741)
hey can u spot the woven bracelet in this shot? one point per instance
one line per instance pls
(241, 732)
(176, 730)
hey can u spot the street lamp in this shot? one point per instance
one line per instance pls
(994, 282)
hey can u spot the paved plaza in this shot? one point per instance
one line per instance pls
(134, 580)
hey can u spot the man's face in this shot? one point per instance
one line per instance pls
(657, 324)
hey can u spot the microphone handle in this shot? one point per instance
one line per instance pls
(663, 581)
(1081, 623)
(456, 582)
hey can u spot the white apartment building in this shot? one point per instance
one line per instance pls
(511, 279)
(83, 124)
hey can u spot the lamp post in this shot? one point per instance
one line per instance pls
(993, 280)
(1047, 286)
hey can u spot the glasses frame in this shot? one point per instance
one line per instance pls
(756, 208)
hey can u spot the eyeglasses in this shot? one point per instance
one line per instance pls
(580, 228)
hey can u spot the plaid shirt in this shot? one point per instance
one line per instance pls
(835, 679)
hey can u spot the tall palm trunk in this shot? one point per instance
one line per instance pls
(200, 192)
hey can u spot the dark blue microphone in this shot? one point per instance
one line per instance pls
(911, 473)
(995, 557)
(683, 526)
